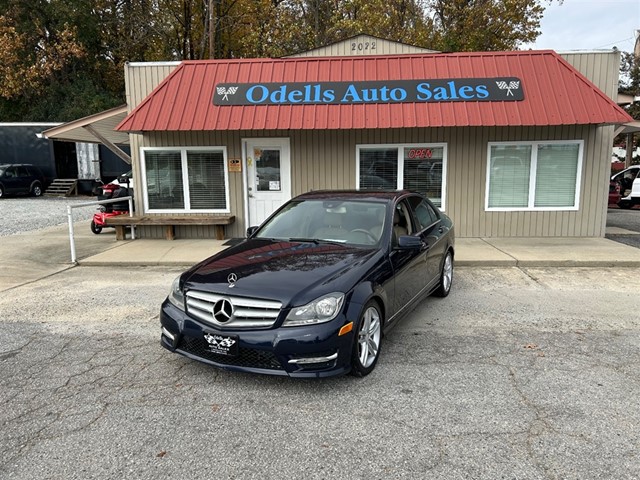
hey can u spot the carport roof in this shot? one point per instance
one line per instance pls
(555, 93)
(93, 129)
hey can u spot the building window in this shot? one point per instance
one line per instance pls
(534, 176)
(417, 167)
(185, 180)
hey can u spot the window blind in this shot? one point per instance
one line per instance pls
(556, 175)
(509, 174)
(164, 180)
(206, 180)
(378, 168)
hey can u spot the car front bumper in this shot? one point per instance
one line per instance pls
(311, 351)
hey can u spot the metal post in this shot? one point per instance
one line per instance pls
(72, 241)
(133, 227)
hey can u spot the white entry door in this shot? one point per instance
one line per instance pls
(268, 178)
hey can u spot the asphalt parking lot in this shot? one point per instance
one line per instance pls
(518, 374)
(627, 220)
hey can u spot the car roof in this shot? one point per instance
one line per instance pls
(377, 195)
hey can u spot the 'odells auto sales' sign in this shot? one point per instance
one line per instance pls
(502, 89)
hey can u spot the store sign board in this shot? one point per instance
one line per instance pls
(502, 89)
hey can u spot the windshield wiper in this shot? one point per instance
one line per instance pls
(304, 240)
(317, 241)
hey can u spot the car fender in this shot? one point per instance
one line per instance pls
(364, 292)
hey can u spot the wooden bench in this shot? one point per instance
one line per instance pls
(120, 222)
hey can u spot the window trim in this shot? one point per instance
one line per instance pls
(532, 176)
(185, 178)
(400, 159)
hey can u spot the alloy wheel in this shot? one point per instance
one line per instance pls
(446, 276)
(369, 337)
(447, 273)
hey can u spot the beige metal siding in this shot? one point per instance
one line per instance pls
(141, 78)
(602, 68)
(362, 45)
(327, 160)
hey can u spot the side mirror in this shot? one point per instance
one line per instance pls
(124, 179)
(251, 231)
(408, 242)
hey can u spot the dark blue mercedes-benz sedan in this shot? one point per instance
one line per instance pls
(312, 291)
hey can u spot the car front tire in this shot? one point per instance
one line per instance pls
(367, 341)
(446, 276)
(625, 204)
(1, 191)
(95, 228)
(36, 189)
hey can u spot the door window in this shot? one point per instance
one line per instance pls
(267, 170)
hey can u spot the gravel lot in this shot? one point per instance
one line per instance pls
(25, 214)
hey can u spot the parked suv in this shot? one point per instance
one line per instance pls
(21, 179)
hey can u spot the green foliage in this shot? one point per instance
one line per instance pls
(63, 59)
(485, 25)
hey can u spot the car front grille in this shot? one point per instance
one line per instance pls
(232, 312)
(247, 357)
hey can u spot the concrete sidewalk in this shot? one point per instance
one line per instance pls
(505, 252)
(29, 256)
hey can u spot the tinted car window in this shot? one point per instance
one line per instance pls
(424, 213)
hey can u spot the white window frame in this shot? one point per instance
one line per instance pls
(532, 176)
(400, 158)
(185, 178)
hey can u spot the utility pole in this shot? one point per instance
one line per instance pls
(636, 58)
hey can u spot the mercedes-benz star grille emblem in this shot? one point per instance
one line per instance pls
(232, 279)
(222, 310)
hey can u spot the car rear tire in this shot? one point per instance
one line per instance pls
(1, 191)
(625, 204)
(446, 276)
(36, 189)
(95, 228)
(367, 340)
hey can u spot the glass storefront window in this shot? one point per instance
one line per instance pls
(418, 167)
(185, 180)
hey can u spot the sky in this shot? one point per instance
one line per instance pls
(589, 25)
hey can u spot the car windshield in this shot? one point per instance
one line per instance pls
(350, 222)
(2, 169)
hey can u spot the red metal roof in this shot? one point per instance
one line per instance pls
(555, 93)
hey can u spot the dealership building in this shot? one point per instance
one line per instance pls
(508, 144)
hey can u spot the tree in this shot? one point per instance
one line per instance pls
(61, 59)
(484, 25)
(629, 84)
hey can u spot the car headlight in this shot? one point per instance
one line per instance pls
(320, 310)
(176, 297)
